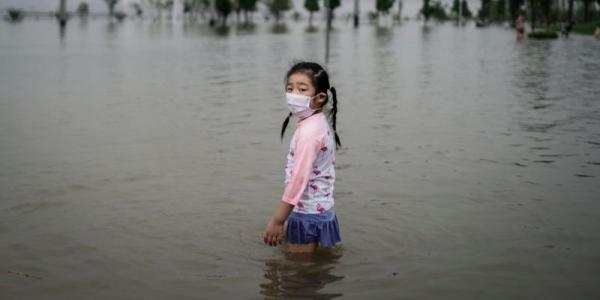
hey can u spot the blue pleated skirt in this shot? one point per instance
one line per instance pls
(321, 228)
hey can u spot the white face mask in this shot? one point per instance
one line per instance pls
(299, 105)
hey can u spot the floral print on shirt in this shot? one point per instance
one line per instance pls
(312, 150)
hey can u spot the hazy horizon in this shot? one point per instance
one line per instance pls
(410, 9)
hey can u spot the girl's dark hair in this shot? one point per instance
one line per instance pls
(320, 81)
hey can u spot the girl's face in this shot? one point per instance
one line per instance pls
(299, 83)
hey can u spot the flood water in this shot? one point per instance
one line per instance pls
(141, 160)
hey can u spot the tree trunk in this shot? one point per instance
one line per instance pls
(356, 14)
(62, 14)
(426, 10)
(400, 9)
(570, 12)
(63, 7)
(532, 14)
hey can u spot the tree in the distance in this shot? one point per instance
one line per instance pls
(277, 7)
(312, 6)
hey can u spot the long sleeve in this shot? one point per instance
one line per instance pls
(306, 151)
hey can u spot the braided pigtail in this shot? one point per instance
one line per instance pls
(333, 115)
(284, 125)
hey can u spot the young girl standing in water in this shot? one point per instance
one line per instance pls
(306, 211)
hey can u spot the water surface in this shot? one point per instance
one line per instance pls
(142, 160)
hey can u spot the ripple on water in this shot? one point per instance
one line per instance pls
(537, 127)
(544, 161)
(33, 206)
(584, 175)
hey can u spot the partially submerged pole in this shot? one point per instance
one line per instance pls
(400, 10)
(356, 14)
(62, 13)
(532, 14)
(460, 11)
(175, 10)
(212, 21)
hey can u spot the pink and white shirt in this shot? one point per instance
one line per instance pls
(310, 172)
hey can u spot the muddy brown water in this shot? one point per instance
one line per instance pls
(141, 160)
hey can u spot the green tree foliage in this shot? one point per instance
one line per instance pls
(501, 10)
(15, 14)
(484, 10)
(111, 6)
(543, 34)
(247, 6)
(312, 6)
(434, 10)
(532, 9)
(426, 10)
(514, 6)
(187, 7)
(83, 9)
(139, 11)
(193, 5)
(333, 4)
(224, 8)
(466, 12)
(570, 9)
(546, 6)
(277, 7)
(586, 9)
(384, 6)
(438, 12)
(495, 10)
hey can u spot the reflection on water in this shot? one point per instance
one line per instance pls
(279, 28)
(311, 29)
(301, 276)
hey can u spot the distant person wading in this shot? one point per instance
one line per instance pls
(520, 27)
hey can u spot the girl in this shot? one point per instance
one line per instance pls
(307, 201)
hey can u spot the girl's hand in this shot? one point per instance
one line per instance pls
(273, 233)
